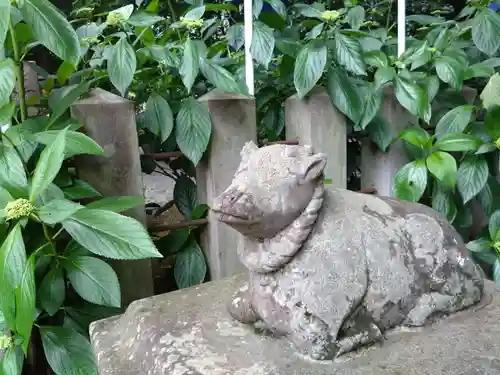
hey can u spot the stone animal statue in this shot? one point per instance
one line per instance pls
(332, 269)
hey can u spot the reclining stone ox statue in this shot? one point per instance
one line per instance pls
(331, 269)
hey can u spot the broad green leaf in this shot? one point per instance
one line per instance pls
(410, 181)
(491, 92)
(74, 249)
(344, 94)
(488, 196)
(262, 43)
(421, 56)
(443, 201)
(48, 165)
(411, 96)
(159, 116)
(190, 266)
(4, 19)
(486, 148)
(377, 59)
(12, 259)
(122, 64)
(193, 129)
(384, 75)
(199, 211)
(51, 28)
(185, 196)
(110, 234)
(454, 121)
(221, 78)
(12, 361)
(478, 70)
(94, 280)
(190, 67)
(371, 104)
(236, 36)
(288, 47)
(494, 225)
(349, 53)
(77, 143)
(52, 292)
(444, 167)
(173, 241)
(144, 19)
(416, 136)
(195, 13)
(66, 69)
(123, 12)
(308, 11)
(450, 70)
(52, 192)
(26, 302)
(472, 176)
(7, 80)
(479, 245)
(117, 204)
(80, 190)
(309, 67)
(278, 6)
(485, 31)
(12, 173)
(5, 197)
(380, 132)
(494, 62)
(67, 349)
(458, 142)
(66, 99)
(492, 122)
(424, 19)
(356, 17)
(57, 210)
(7, 112)
(431, 87)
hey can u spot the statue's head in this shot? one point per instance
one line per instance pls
(271, 188)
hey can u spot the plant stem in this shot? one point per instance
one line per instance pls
(19, 73)
(174, 17)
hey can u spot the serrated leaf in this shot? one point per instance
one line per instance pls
(76, 143)
(190, 67)
(472, 176)
(485, 31)
(159, 116)
(349, 53)
(491, 92)
(309, 67)
(7, 80)
(94, 280)
(190, 266)
(122, 64)
(410, 181)
(444, 167)
(344, 94)
(193, 129)
(356, 17)
(494, 225)
(52, 292)
(443, 202)
(411, 96)
(221, 78)
(116, 204)
(67, 349)
(450, 71)
(26, 302)
(371, 105)
(110, 234)
(487, 197)
(262, 45)
(57, 210)
(185, 196)
(384, 75)
(454, 121)
(377, 59)
(236, 36)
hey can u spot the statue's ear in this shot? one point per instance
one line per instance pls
(313, 166)
(247, 150)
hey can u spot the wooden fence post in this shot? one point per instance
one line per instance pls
(110, 121)
(315, 121)
(233, 124)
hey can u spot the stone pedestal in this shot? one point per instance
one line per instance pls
(233, 124)
(315, 121)
(189, 332)
(110, 121)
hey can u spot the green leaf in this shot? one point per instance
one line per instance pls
(195, 13)
(480, 245)
(486, 148)
(450, 71)
(380, 132)
(415, 135)
(173, 241)
(117, 204)
(371, 104)
(492, 122)
(410, 181)
(4, 19)
(458, 142)
(309, 67)
(356, 17)
(57, 210)
(236, 36)
(478, 70)
(411, 96)
(221, 78)
(76, 143)
(491, 92)
(349, 53)
(12, 259)
(424, 19)
(193, 129)
(384, 75)
(431, 87)
(190, 67)
(94, 280)
(12, 361)
(487, 197)
(67, 351)
(377, 59)
(199, 211)
(190, 266)
(48, 165)
(144, 19)
(26, 302)
(66, 69)
(262, 43)
(110, 234)
(443, 202)
(496, 271)
(421, 56)
(472, 176)
(485, 31)
(122, 64)
(68, 97)
(494, 225)
(185, 196)
(308, 11)
(7, 112)
(278, 6)
(51, 28)
(454, 121)
(444, 167)
(52, 292)
(159, 116)
(7, 80)
(344, 94)
(12, 174)
(80, 190)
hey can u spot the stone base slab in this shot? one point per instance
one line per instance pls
(189, 332)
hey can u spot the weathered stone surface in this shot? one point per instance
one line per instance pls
(333, 269)
(189, 332)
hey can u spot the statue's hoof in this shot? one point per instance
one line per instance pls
(240, 308)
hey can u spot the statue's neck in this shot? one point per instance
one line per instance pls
(271, 254)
